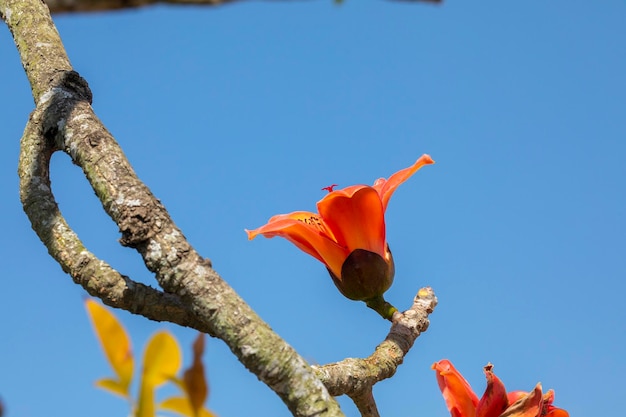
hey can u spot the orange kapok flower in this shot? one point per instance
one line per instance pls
(495, 402)
(348, 236)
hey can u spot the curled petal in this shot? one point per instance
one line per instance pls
(355, 216)
(494, 400)
(457, 392)
(387, 187)
(513, 396)
(549, 410)
(527, 406)
(307, 231)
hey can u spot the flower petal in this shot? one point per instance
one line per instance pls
(309, 233)
(387, 187)
(557, 412)
(355, 216)
(548, 409)
(457, 392)
(494, 400)
(527, 406)
(513, 396)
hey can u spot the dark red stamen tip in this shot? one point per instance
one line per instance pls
(330, 188)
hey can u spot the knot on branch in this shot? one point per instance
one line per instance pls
(138, 224)
(66, 89)
(73, 83)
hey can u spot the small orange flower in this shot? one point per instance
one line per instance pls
(348, 234)
(495, 402)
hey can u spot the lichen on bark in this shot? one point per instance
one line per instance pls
(193, 294)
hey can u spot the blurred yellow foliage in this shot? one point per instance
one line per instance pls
(116, 346)
(162, 361)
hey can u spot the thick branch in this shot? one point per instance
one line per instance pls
(65, 118)
(96, 276)
(195, 295)
(37, 40)
(64, 6)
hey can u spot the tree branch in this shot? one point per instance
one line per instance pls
(356, 377)
(65, 6)
(96, 276)
(64, 118)
(366, 404)
(194, 294)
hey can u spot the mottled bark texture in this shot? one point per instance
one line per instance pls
(193, 295)
(356, 377)
(65, 6)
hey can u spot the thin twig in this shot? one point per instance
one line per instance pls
(366, 404)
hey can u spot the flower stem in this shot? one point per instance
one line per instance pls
(382, 307)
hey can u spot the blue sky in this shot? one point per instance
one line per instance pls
(234, 114)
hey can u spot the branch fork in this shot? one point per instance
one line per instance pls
(193, 294)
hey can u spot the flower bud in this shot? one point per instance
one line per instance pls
(365, 275)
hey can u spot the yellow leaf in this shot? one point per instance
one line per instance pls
(115, 343)
(113, 385)
(194, 379)
(206, 413)
(178, 382)
(181, 406)
(161, 360)
(178, 405)
(145, 403)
